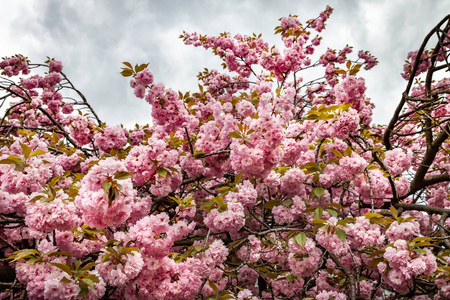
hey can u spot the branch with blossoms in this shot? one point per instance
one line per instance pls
(260, 185)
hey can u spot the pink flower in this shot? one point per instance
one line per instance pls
(109, 138)
(144, 77)
(100, 208)
(54, 289)
(325, 295)
(55, 66)
(246, 295)
(397, 161)
(405, 230)
(292, 182)
(364, 234)
(246, 194)
(119, 273)
(48, 216)
(231, 220)
(305, 266)
(139, 91)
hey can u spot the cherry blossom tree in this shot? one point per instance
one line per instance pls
(269, 182)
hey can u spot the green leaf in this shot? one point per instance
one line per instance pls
(127, 64)
(224, 189)
(318, 226)
(271, 240)
(319, 191)
(53, 191)
(337, 153)
(218, 200)
(8, 161)
(422, 238)
(26, 150)
(332, 212)
(272, 203)
(420, 251)
(345, 221)
(312, 167)
(348, 151)
(88, 282)
(342, 235)
(339, 71)
(162, 172)
(207, 205)
(213, 286)
(273, 275)
(113, 251)
(38, 198)
(291, 277)
(300, 239)
(66, 280)
(312, 116)
(318, 213)
(106, 257)
(139, 68)
(107, 186)
(335, 205)
(92, 277)
(22, 254)
(84, 290)
(89, 265)
(238, 178)
(33, 259)
(126, 73)
(423, 244)
(125, 250)
(377, 253)
(376, 261)
(348, 64)
(122, 175)
(64, 267)
(355, 69)
(370, 215)
(345, 106)
(37, 152)
(235, 134)
(287, 203)
(316, 178)
(409, 218)
(394, 212)
(54, 181)
(198, 154)
(318, 221)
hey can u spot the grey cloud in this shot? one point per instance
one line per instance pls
(92, 38)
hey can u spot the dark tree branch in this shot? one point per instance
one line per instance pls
(389, 129)
(347, 272)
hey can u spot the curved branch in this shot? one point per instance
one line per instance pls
(390, 127)
(66, 135)
(425, 208)
(347, 272)
(430, 154)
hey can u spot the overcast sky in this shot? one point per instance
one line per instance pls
(92, 38)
